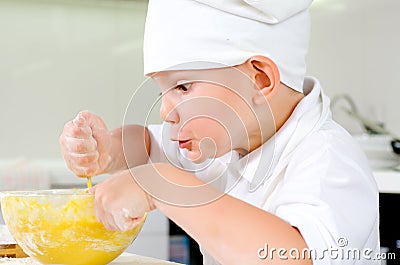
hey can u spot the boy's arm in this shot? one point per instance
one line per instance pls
(229, 229)
(130, 147)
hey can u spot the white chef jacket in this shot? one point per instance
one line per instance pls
(312, 174)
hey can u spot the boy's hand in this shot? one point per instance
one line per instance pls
(120, 203)
(86, 144)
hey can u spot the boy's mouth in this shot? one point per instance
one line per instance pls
(184, 143)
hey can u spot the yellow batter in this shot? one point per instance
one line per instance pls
(62, 228)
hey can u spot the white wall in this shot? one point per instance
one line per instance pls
(58, 57)
(354, 49)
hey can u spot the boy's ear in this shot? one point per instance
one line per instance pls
(266, 77)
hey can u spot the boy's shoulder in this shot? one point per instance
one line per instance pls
(332, 147)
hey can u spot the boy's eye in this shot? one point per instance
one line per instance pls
(179, 87)
(183, 87)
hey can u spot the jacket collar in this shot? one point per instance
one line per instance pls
(257, 166)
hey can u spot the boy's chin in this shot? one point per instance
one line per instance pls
(198, 157)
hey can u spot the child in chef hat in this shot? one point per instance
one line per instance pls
(249, 161)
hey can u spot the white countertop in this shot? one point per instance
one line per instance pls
(124, 259)
(5, 236)
(388, 181)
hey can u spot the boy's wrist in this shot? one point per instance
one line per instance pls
(115, 152)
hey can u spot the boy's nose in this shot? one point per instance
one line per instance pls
(168, 111)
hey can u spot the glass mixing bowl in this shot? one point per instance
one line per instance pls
(60, 227)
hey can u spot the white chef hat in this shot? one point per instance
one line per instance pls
(227, 33)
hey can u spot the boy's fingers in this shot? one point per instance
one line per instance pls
(80, 145)
(91, 120)
(79, 120)
(92, 190)
(71, 129)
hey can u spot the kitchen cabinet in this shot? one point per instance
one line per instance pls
(389, 196)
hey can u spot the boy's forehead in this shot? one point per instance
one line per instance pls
(226, 76)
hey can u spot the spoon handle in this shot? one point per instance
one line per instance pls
(89, 182)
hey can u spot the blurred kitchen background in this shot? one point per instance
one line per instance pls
(58, 57)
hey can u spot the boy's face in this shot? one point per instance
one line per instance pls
(210, 111)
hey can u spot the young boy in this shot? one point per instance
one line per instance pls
(249, 161)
